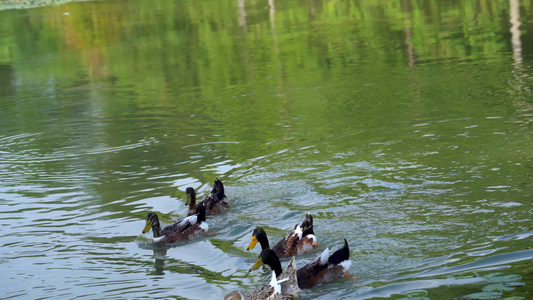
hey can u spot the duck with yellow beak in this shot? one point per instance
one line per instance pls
(183, 230)
(324, 268)
(299, 241)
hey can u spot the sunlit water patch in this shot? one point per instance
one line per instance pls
(405, 129)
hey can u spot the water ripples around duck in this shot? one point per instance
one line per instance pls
(412, 222)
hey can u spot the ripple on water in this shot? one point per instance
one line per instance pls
(396, 206)
(22, 150)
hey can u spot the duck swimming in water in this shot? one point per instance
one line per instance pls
(183, 230)
(215, 203)
(301, 240)
(324, 268)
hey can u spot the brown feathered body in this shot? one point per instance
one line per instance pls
(215, 203)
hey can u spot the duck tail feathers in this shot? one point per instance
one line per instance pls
(340, 255)
(307, 224)
(218, 189)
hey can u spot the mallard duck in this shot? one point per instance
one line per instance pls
(322, 269)
(215, 203)
(299, 241)
(183, 230)
(272, 291)
(288, 278)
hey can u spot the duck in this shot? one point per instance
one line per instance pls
(183, 230)
(215, 203)
(324, 268)
(272, 291)
(287, 277)
(301, 240)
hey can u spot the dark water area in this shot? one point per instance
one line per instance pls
(403, 126)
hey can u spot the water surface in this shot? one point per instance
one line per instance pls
(404, 127)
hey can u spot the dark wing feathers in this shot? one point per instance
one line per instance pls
(316, 273)
(340, 255)
(218, 190)
(308, 275)
(215, 202)
(177, 227)
(307, 225)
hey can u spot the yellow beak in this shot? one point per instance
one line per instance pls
(253, 242)
(147, 227)
(188, 199)
(258, 263)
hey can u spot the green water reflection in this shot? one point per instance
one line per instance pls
(411, 119)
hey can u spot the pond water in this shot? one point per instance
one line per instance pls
(403, 126)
